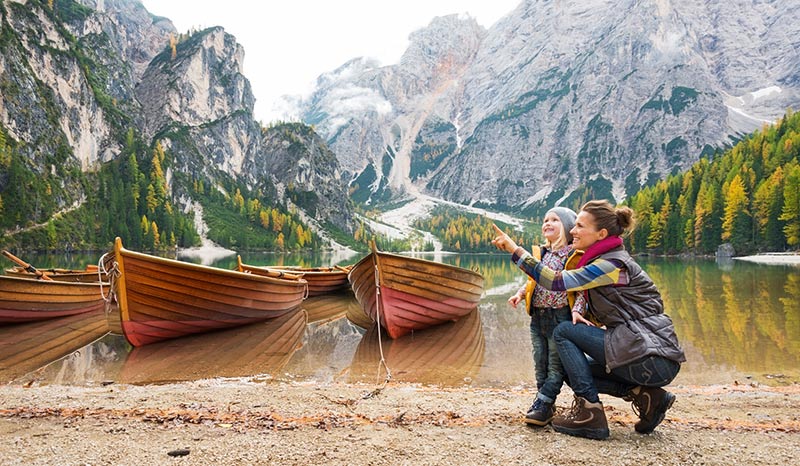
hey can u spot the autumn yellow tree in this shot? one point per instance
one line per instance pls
(735, 222)
(173, 46)
(151, 199)
(156, 236)
(277, 220)
(238, 200)
(263, 217)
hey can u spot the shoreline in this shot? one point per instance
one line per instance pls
(778, 258)
(250, 421)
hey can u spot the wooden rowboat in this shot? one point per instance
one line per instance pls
(163, 298)
(321, 280)
(30, 346)
(403, 293)
(31, 299)
(450, 354)
(254, 349)
(88, 275)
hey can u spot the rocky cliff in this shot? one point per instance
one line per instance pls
(78, 76)
(560, 99)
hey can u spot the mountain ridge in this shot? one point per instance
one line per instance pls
(627, 93)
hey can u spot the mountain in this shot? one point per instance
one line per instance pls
(559, 100)
(86, 83)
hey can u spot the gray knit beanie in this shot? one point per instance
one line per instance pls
(567, 217)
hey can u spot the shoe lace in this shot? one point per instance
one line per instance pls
(537, 405)
(635, 407)
(573, 410)
(635, 403)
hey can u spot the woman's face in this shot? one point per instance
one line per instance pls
(551, 227)
(585, 232)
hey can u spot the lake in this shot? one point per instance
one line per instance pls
(738, 322)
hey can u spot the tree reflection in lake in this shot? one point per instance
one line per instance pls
(741, 318)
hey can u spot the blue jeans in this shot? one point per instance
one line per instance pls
(546, 362)
(582, 351)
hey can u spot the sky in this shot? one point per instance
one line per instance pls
(288, 44)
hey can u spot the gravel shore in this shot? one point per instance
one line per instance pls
(251, 421)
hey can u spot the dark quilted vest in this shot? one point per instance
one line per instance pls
(634, 317)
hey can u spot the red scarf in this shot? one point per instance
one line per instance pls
(600, 247)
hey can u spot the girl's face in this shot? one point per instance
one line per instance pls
(552, 227)
(585, 232)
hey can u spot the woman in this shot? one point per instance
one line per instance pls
(637, 351)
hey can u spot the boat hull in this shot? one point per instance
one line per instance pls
(30, 299)
(403, 294)
(162, 298)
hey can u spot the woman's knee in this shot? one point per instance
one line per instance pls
(563, 331)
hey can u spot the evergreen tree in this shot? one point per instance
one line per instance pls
(791, 205)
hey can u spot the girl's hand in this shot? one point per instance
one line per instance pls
(578, 318)
(503, 241)
(514, 300)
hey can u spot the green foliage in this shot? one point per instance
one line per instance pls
(360, 187)
(599, 188)
(674, 149)
(680, 98)
(69, 11)
(245, 220)
(427, 156)
(28, 197)
(748, 196)
(598, 144)
(465, 232)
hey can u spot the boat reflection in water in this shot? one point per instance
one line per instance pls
(326, 308)
(259, 348)
(30, 346)
(449, 354)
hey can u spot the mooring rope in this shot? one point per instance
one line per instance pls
(382, 362)
(112, 275)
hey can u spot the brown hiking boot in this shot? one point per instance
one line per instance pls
(651, 404)
(540, 413)
(584, 419)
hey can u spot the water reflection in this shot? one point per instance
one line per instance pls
(735, 320)
(328, 347)
(260, 348)
(448, 354)
(325, 308)
(744, 317)
(29, 346)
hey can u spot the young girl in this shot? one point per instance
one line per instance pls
(547, 309)
(636, 352)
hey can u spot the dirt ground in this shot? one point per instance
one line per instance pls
(235, 421)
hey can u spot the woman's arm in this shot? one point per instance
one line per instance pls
(600, 272)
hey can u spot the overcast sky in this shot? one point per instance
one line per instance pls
(289, 43)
